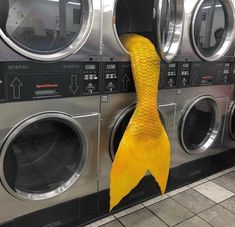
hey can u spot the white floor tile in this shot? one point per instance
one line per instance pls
(177, 191)
(198, 183)
(128, 211)
(102, 221)
(155, 200)
(214, 191)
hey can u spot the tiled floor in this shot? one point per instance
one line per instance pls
(208, 202)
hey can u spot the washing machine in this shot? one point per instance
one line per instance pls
(50, 30)
(49, 140)
(202, 106)
(208, 30)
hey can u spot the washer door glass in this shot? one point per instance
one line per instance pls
(200, 125)
(120, 127)
(43, 159)
(43, 27)
(168, 27)
(212, 28)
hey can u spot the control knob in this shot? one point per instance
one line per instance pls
(184, 82)
(170, 82)
(90, 88)
(110, 87)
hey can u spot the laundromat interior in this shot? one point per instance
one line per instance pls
(117, 113)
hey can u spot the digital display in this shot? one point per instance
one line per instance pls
(90, 67)
(110, 66)
(186, 65)
(172, 65)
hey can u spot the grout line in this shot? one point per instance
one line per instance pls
(194, 212)
(156, 216)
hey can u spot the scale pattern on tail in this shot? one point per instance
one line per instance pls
(145, 145)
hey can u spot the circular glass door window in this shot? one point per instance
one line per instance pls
(168, 27)
(200, 125)
(43, 158)
(44, 27)
(120, 127)
(213, 28)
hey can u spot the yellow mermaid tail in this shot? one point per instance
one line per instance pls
(145, 145)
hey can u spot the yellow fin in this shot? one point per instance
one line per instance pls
(145, 145)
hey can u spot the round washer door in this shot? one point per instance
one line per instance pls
(232, 122)
(168, 27)
(43, 156)
(45, 30)
(213, 28)
(120, 126)
(200, 125)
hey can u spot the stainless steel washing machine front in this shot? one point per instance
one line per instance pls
(202, 106)
(208, 30)
(49, 30)
(49, 136)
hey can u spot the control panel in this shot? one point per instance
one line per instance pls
(168, 75)
(117, 78)
(23, 81)
(193, 74)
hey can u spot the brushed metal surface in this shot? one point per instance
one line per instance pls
(83, 110)
(111, 111)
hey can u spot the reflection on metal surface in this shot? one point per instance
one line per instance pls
(47, 36)
(168, 27)
(30, 155)
(213, 28)
(200, 124)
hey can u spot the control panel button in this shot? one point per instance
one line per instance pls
(110, 87)
(184, 82)
(90, 88)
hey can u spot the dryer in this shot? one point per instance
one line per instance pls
(202, 106)
(208, 30)
(49, 30)
(49, 138)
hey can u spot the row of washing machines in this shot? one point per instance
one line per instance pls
(67, 95)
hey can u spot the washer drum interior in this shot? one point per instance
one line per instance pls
(200, 125)
(43, 156)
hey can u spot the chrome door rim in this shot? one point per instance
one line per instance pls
(230, 26)
(208, 141)
(77, 43)
(170, 50)
(66, 119)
